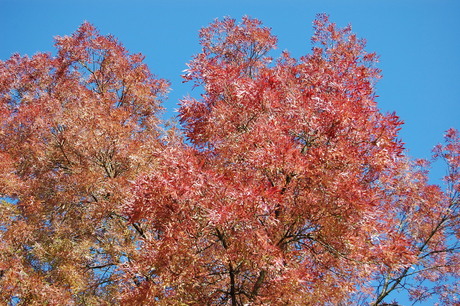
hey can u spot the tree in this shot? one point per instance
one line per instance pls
(295, 189)
(75, 129)
(289, 186)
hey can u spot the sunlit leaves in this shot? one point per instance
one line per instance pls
(289, 186)
(307, 188)
(75, 129)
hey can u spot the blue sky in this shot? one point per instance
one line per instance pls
(418, 42)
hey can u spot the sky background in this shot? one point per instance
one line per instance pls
(418, 43)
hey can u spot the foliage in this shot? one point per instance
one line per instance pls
(76, 128)
(289, 185)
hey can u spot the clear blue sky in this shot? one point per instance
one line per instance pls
(418, 41)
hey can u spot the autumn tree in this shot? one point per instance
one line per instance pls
(296, 189)
(288, 187)
(75, 128)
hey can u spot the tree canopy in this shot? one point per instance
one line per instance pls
(284, 183)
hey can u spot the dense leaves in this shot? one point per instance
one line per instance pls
(75, 129)
(289, 187)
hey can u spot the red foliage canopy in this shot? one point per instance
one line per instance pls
(75, 129)
(289, 187)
